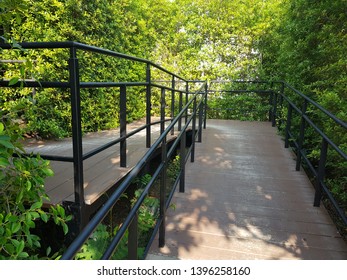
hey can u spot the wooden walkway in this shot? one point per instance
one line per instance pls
(100, 171)
(244, 200)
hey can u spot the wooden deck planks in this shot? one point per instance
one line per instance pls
(244, 200)
(100, 171)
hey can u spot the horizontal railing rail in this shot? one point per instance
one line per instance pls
(318, 172)
(74, 84)
(132, 216)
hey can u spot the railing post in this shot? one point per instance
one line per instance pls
(281, 105)
(148, 105)
(77, 141)
(183, 161)
(173, 102)
(162, 211)
(271, 104)
(320, 173)
(162, 111)
(201, 108)
(180, 106)
(193, 131)
(274, 109)
(187, 98)
(123, 126)
(133, 239)
(301, 136)
(288, 125)
(205, 107)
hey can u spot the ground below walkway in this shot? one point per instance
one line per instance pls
(244, 200)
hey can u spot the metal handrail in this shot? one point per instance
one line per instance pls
(75, 84)
(100, 215)
(279, 95)
(80, 46)
(325, 111)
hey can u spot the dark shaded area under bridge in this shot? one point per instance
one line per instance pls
(244, 200)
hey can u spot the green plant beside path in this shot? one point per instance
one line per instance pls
(21, 200)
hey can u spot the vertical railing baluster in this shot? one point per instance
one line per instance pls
(288, 125)
(301, 136)
(281, 106)
(201, 109)
(271, 105)
(321, 173)
(133, 239)
(187, 98)
(123, 126)
(180, 106)
(205, 107)
(274, 109)
(162, 111)
(173, 103)
(192, 159)
(77, 143)
(148, 105)
(183, 161)
(162, 211)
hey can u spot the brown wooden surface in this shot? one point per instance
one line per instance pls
(100, 171)
(244, 200)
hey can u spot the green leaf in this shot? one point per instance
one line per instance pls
(28, 218)
(20, 247)
(28, 185)
(18, 19)
(49, 172)
(48, 251)
(11, 218)
(15, 242)
(65, 228)
(7, 144)
(2, 127)
(29, 240)
(10, 248)
(13, 81)
(35, 215)
(61, 211)
(44, 217)
(23, 255)
(22, 70)
(36, 205)
(15, 227)
(4, 162)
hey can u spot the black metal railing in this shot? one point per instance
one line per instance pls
(75, 51)
(298, 142)
(130, 222)
(282, 100)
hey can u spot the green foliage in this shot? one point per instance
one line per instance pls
(22, 196)
(244, 107)
(306, 48)
(173, 168)
(96, 245)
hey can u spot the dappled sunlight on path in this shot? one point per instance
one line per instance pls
(244, 200)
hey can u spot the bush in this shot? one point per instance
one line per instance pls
(22, 195)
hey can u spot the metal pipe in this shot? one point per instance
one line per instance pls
(123, 126)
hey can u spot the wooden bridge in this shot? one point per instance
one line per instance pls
(244, 197)
(245, 200)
